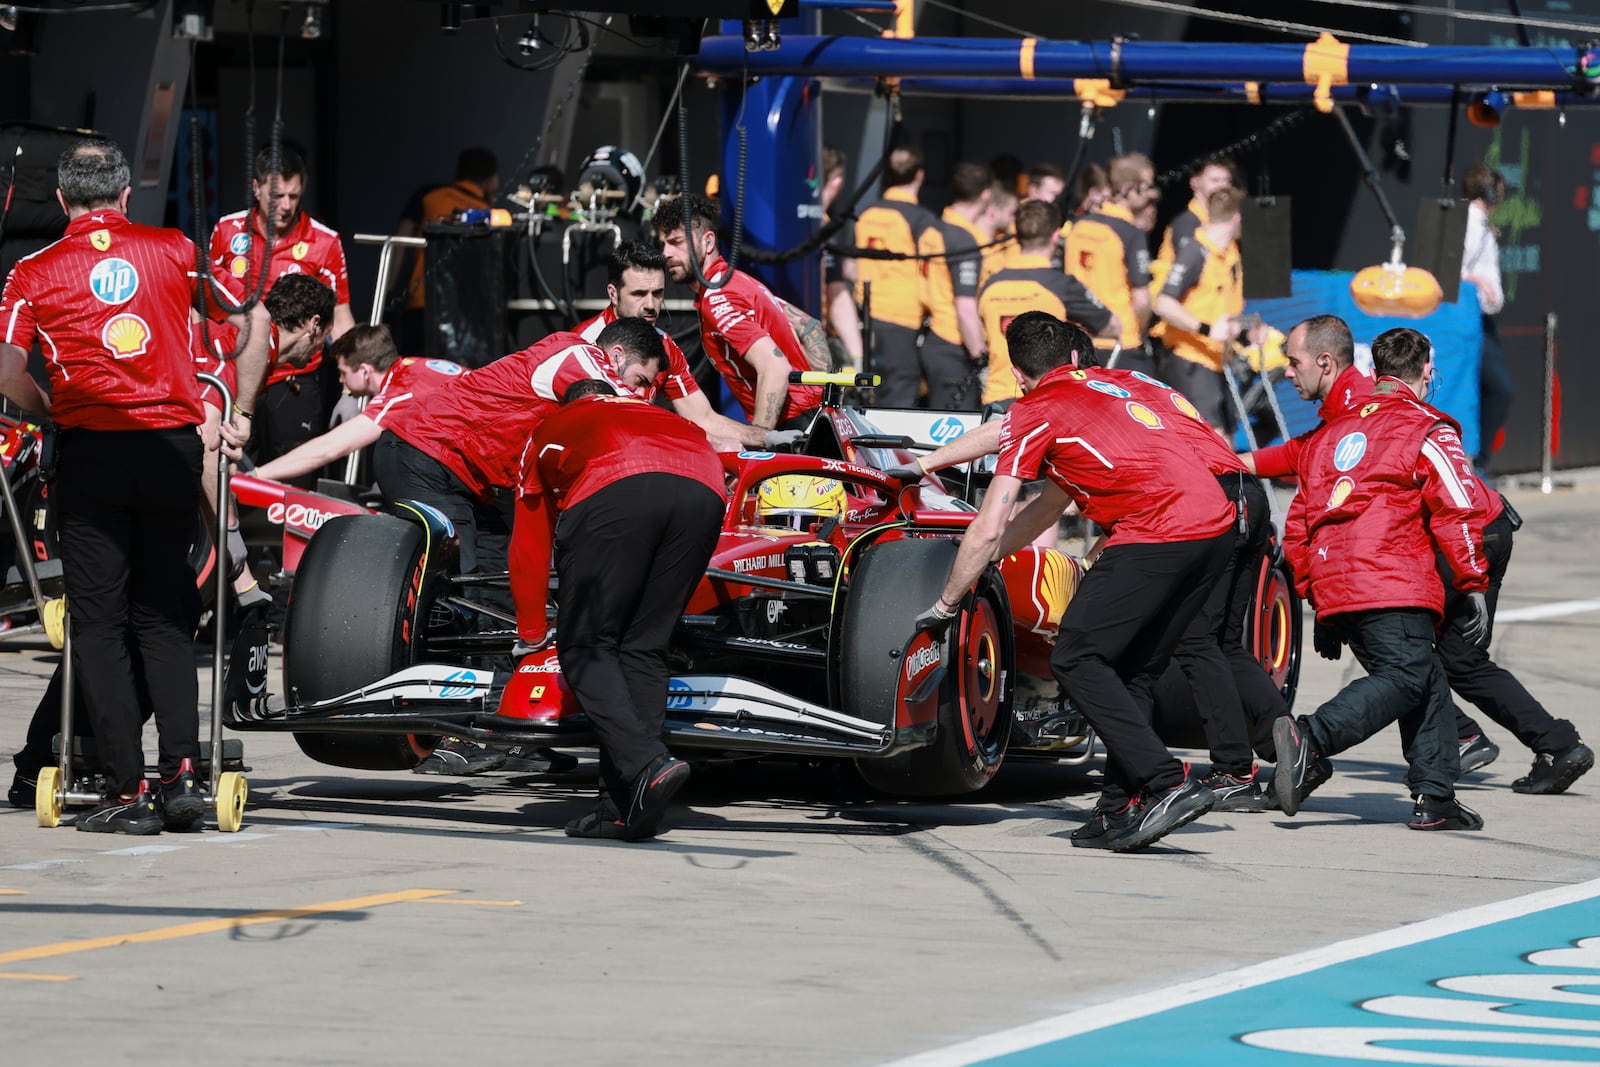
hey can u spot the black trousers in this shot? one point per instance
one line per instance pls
(405, 472)
(1478, 679)
(127, 501)
(1116, 639)
(903, 364)
(36, 752)
(1233, 694)
(1405, 683)
(628, 558)
(289, 414)
(1495, 389)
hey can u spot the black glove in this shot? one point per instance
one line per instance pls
(909, 472)
(1327, 642)
(936, 620)
(1475, 627)
(786, 440)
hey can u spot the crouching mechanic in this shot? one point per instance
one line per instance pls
(1382, 489)
(287, 328)
(639, 495)
(1171, 530)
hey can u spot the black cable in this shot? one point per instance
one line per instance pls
(683, 201)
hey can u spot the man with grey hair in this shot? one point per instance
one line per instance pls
(110, 305)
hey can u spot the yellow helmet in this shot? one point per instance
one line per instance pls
(799, 501)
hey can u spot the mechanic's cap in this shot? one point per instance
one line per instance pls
(799, 501)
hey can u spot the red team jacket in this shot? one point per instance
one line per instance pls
(308, 247)
(215, 346)
(479, 424)
(735, 317)
(1349, 390)
(1161, 397)
(1380, 487)
(677, 380)
(109, 304)
(578, 451)
(411, 382)
(1122, 460)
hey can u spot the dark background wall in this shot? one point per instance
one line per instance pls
(384, 100)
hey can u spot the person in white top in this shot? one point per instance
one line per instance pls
(1484, 188)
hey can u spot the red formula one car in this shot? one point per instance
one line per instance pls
(798, 642)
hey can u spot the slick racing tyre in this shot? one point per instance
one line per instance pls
(1275, 639)
(349, 624)
(894, 582)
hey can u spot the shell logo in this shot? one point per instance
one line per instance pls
(1368, 410)
(126, 336)
(238, 266)
(300, 249)
(1059, 575)
(1181, 402)
(1143, 415)
(101, 240)
(1341, 492)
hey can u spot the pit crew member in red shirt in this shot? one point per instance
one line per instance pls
(639, 492)
(637, 288)
(110, 305)
(1383, 489)
(293, 403)
(744, 328)
(1171, 528)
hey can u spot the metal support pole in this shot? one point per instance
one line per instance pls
(219, 612)
(389, 241)
(1547, 441)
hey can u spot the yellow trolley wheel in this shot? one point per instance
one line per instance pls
(54, 617)
(232, 791)
(47, 797)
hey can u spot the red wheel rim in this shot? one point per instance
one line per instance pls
(980, 676)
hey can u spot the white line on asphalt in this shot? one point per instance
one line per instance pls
(1142, 1004)
(38, 865)
(1548, 611)
(230, 839)
(313, 826)
(143, 850)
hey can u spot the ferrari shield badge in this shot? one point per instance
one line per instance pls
(775, 6)
(101, 240)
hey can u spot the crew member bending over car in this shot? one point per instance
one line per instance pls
(111, 303)
(639, 494)
(467, 441)
(745, 330)
(1171, 529)
(1382, 490)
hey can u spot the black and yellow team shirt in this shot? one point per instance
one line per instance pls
(1179, 233)
(994, 255)
(1210, 283)
(1109, 255)
(906, 292)
(1029, 284)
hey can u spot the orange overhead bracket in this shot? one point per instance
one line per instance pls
(1326, 64)
(1097, 92)
(904, 28)
(1252, 92)
(1537, 100)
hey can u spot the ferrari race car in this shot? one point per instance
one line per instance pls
(798, 642)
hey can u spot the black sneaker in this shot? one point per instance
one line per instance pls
(455, 756)
(1443, 813)
(1301, 769)
(117, 816)
(23, 788)
(603, 822)
(1552, 772)
(1161, 813)
(1101, 827)
(537, 758)
(181, 799)
(1237, 792)
(1477, 751)
(651, 793)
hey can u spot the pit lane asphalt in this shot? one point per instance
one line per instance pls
(788, 916)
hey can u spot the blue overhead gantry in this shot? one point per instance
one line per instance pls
(771, 130)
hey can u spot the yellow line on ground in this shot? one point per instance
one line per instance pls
(211, 926)
(13, 892)
(39, 977)
(482, 903)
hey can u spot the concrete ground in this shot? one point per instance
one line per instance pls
(788, 916)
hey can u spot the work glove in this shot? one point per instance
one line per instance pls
(1475, 627)
(936, 620)
(785, 440)
(907, 472)
(1326, 640)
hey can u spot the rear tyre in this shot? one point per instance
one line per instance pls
(1275, 640)
(894, 582)
(349, 623)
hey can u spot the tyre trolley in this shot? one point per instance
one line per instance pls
(67, 783)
